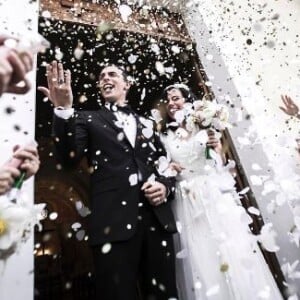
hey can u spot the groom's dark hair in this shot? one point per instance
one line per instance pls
(119, 67)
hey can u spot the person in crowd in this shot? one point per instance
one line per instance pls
(131, 222)
(217, 257)
(13, 68)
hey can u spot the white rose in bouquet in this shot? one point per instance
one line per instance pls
(211, 114)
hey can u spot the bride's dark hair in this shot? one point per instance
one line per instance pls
(187, 95)
(184, 89)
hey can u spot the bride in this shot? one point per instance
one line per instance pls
(217, 256)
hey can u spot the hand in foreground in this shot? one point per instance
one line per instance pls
(30, 159)
(8, 175)
(290, 107)
(59, 89)
(13, 68)
(155, 192)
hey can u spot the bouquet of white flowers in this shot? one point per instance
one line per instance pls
(210, 114)
(207, 114)
(17, 219)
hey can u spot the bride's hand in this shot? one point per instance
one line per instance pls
(176, 167)
(213, 142)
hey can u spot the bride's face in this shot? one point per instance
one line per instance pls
(175, 102)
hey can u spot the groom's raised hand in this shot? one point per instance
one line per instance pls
(59, 89)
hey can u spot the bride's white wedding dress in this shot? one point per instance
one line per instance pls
(217, 257)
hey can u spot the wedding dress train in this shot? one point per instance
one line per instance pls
(217, 255)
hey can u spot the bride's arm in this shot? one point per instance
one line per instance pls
(216, 144)
(176, 167)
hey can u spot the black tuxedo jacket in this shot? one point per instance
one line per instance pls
(114, 201)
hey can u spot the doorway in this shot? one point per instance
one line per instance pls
(63, 267)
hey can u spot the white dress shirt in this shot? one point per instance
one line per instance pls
(126, 122)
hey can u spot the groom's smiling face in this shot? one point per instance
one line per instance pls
(113, 84)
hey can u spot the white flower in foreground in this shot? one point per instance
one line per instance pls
(12, 223)
(16, 222)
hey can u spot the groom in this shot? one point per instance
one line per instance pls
(131, 222)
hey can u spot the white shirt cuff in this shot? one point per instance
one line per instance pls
(64, 113)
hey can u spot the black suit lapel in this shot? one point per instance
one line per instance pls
(112, 120)
(140, 138)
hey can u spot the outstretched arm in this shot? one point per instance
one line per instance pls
(70, 137)
(290, 107)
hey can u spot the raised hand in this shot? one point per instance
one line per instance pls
(59, 89)
(290, 107)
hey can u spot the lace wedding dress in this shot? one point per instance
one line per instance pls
(217, 257)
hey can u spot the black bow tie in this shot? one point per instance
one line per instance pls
(125, 109)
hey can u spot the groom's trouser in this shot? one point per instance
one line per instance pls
(148, 256)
